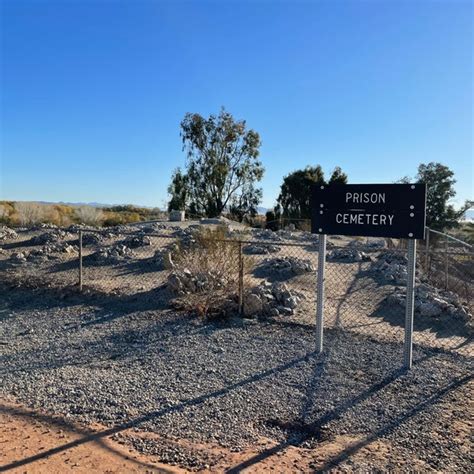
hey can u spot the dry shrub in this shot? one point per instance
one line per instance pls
(213, 262)
(3, 213)
(89, 215)
(29, 213)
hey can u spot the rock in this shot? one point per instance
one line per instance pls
(432, 302)
(7, 234)
(18, 257)
(51, 237)
(285, 311)
(347, 255)
(271, 299)
(114, 254)
(286, 266)
(274, 312)
(163, 259)
(174, 283)
(91, 238)
(136, 241)
(368, 245)
(266, 234)
(190, 282)
(392, 266)
(252, 305)
(261, 249)
(428, 308)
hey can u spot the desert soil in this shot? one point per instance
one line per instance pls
(35, 442)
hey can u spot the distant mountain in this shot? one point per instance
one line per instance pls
(262, 210)
(94, 204)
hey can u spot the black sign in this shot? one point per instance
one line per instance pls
(373, 210)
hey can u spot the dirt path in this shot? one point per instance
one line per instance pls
(27, 437)
(32, 442)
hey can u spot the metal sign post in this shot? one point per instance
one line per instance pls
(320, 294)
(371, 210)
(409, 310)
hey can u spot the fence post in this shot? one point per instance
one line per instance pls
(80, 260)
(427, 253)
(410, 307)
(320, 293)
(446, 264)
(241, 280)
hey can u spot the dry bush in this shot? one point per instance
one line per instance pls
(213, 263)
(3, 213)
(29, 213)
(89, 215)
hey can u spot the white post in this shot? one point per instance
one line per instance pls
(409, 310)
(320, 294)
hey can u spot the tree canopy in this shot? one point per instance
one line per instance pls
(439, 180)
(295, 193)
(222, 167)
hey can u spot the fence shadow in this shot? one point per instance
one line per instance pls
(136, 422)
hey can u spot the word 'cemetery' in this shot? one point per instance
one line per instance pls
(364, 219)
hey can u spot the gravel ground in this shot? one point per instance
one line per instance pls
(130, 363)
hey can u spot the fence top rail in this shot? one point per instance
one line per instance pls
(451, 238)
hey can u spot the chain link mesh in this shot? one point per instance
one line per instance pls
(261, 273)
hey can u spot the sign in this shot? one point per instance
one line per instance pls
(372, 210)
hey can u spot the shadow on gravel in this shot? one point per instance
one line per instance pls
(158, 413)
(51, 298)
(313, 430)
(304, 431)
(140, 266)
(17, 245)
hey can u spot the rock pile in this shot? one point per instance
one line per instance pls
(51, 237)
(45, 225)
(6, 233)
(58, 247)
(163, 259)
(136, 241)
(42, 254)
(347, 255)
(392, 266)
(113, 254)
(432, 302)
(285, 266)
(271, 299)
(261, 249)
(266, 234)
(149, 229)
(368, 245)
(186, 236)
(183, 282)
(91, 238)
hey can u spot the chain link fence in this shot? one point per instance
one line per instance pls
(258, 273)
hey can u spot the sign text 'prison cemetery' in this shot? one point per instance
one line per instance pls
(373, 210)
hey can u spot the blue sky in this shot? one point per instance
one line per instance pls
(93, 91)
